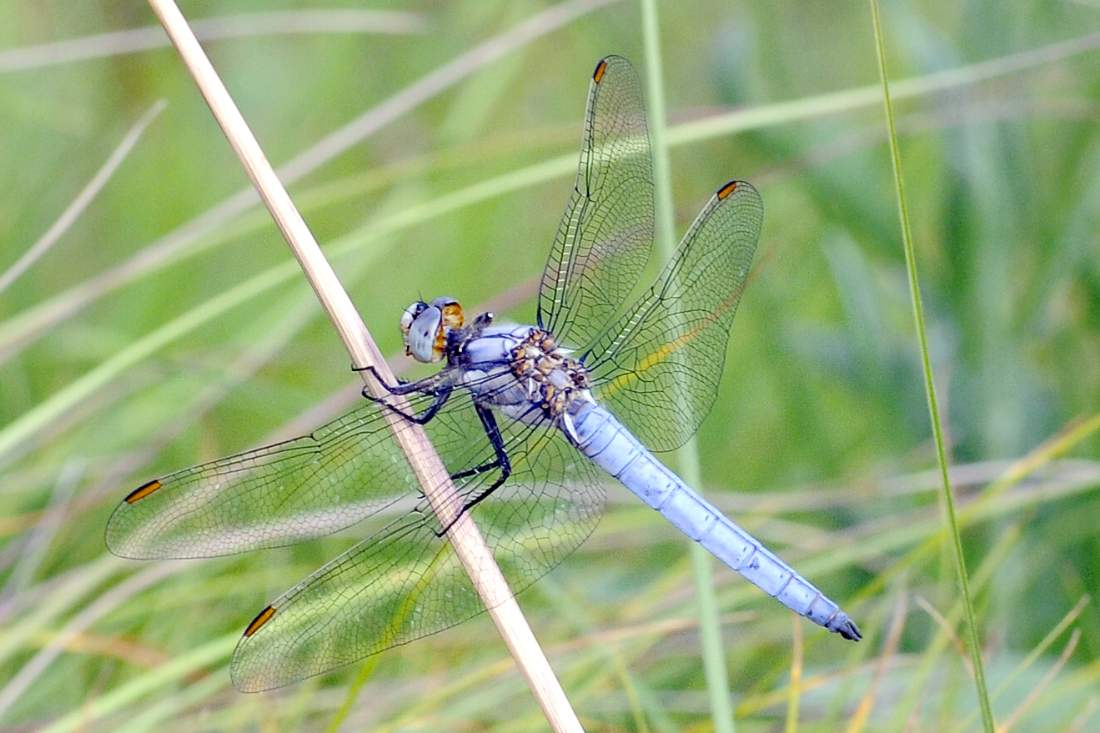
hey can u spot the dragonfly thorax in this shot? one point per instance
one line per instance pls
(551, 377)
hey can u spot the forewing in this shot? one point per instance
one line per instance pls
(406, 582)
(658, 367)
(284, 493)
(606, 233)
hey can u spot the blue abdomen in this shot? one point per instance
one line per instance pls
(606, 442)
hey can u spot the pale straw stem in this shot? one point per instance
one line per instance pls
(464, 536)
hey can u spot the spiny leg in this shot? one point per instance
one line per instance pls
(432, 385)
(500, 461)
(440, 393)
(427, 384)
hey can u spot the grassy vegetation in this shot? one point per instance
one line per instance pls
(153, 334)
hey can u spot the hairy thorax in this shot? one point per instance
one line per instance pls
(549, 375)
(523, 372)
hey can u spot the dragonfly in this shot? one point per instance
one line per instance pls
(529, 420)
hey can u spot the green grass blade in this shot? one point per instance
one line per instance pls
(36, 419)
(929, 382)
(159, 681)
(26, 326)
(714, 662)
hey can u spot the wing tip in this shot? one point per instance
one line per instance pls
(746, 192)
(142, 491)
(727, 189)
(257, 623)
(605, 63)
(601, 69)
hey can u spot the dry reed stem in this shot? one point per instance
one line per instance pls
(947, 628)
(1037, 690)
(794, 696)
(858, 722)
(464, 536)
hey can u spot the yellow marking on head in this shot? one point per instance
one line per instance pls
(601, 68)
(262, 618)
(440, 344)
(142, 491)
(726, 190)
(453, 316)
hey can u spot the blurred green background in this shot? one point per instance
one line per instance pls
(165, 326)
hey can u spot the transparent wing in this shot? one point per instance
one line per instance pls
(606, 234)
(307, 487)
(406, 582)
(658, 367)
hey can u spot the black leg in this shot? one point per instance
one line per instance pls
(500, 460)
(441, 394)
(492, 432)
(402, 387)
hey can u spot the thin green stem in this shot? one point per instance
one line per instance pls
(662, 175)
(171, 673)
(794, 697)
(929, 382)
(710, 630)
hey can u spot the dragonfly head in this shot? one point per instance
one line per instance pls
(425, 326)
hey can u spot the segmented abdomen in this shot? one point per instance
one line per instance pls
(604, 440)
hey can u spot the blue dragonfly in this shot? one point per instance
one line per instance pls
(525, 418)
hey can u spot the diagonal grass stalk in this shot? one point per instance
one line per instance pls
(171, 672)
(463, 535)
(84, 199)
(200, 233)
(710, 631)
(929, 382)
(180, 240)
(1027, 662)
(224, 27)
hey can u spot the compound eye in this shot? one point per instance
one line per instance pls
(410, 315)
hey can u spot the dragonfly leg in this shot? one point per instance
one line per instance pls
(500, 461)
(378, 377)
(428, 384)
(440, 392)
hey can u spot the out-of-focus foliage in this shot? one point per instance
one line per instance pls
(820, 440)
